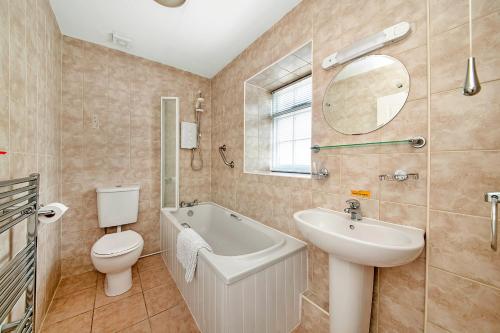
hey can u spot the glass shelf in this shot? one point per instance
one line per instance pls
(415, 142)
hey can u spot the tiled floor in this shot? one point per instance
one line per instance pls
(154, 304)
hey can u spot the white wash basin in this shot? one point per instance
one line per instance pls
(354, 247)
(367, 242)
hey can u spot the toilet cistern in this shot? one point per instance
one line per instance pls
(115, 253)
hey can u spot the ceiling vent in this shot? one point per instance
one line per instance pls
(120, 40)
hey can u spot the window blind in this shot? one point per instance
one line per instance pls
(293, 97)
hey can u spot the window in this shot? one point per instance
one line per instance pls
(291, 115)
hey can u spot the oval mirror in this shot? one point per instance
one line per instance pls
(366, 94)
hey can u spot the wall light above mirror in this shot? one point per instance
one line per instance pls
(366, 94)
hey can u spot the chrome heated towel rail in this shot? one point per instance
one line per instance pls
(19, 203)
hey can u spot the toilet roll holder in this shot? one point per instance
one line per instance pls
(46, 213)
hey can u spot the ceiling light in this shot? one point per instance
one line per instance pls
(171, 3)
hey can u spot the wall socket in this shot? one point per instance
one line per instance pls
(95, 121)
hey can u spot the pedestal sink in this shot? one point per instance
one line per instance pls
(354, 248)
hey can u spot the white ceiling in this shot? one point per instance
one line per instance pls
(201, 37)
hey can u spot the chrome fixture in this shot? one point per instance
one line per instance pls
(222, 150)
(19, 203)
(399, 176)
(321, 174)
(472, 86)
(198, 110)
(493, 197)
(171, 3)
(234, 216)
(415, 142)
(368, 44)
(354, 209)
(189, 204)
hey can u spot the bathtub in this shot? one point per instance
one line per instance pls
(251, 282)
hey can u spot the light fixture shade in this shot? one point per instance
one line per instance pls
(171, 3)
(471, 84)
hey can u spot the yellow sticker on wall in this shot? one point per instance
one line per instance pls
(361, 193)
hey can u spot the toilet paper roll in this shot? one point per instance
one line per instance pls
(58, 208)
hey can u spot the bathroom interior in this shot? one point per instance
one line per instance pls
(249, 166)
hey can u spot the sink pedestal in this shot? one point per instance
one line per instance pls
(351, 287)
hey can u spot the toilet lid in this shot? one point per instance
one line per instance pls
(117, 242)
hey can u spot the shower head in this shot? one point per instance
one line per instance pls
(171, 3)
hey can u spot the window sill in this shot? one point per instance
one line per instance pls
(280, 174)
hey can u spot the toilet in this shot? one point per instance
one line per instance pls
(114, 254)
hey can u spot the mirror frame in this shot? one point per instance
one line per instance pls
(177, 145)
(338, 73)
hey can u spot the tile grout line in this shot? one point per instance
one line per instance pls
(428, 167)
(466, 278)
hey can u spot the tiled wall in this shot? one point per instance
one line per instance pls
(464, 274)
(258, 128)
(463, 285)
(123, 92)
(30, 102)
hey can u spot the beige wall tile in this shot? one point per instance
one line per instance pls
(401, 307)
(415, 216)
(410, 191)
(449, 14)
(460, 179)
(433, 328)
(461, 305)
(474, 118)
(360, 172)
(449, 53)
(29, 123)
(461, 244)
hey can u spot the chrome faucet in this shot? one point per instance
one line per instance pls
(354, 209)
(189, 204)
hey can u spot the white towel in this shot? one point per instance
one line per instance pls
(188, 245)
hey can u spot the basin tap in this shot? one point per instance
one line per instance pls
(354, 209)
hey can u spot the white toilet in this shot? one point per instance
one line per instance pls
(114, 254)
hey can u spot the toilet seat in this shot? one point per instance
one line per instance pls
(111, 245)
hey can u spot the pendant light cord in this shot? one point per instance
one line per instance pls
(470, 28)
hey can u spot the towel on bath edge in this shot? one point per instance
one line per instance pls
(189, 243)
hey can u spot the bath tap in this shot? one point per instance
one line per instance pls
(354, 209)
(189, 204)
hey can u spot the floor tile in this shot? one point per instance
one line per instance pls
(162, 298)
(142, 327)
(81, 324)
(119, 315)
(101, 299)
(72, 284)
(150, 262)
(155, 277)
(175, 320)
(70, 306)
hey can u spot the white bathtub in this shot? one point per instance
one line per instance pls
(251, 282)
